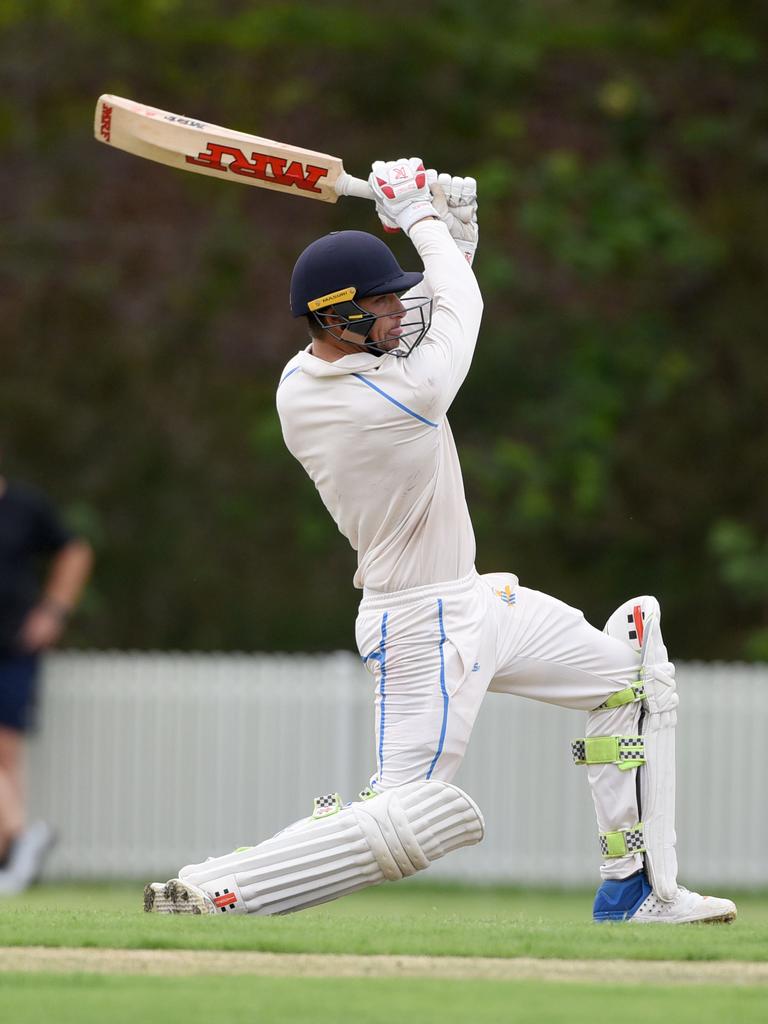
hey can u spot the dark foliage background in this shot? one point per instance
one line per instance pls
(613, 427)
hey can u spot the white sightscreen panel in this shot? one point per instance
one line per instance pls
(145, 762)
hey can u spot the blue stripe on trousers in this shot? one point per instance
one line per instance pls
(382, 689)
(442, 689)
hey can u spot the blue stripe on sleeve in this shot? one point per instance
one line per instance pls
(443, 690)
(287, 375)
(394, 401)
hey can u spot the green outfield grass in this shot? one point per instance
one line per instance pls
(411, 917)
(93, 1000)
(408, 918)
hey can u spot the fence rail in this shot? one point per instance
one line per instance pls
(145, 762)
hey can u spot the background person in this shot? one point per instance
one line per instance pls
(43, 569)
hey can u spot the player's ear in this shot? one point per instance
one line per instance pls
(331, 318)
(322, 320)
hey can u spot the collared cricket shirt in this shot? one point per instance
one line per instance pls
(373, 435)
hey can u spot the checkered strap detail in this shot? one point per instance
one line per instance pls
(624, 751)
(327, 805)
(367, 794)
(629, 695)
(622, 842)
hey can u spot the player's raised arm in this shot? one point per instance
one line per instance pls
(442, 224)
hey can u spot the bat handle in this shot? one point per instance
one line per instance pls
(346, 185)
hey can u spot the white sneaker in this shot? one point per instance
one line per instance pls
(26, 859)
(176, 897)
(687, 908)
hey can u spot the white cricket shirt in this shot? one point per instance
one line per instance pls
(372, 434)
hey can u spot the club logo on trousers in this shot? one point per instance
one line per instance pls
(507, 595)
(230, 159)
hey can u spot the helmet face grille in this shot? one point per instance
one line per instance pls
(352, 318)
(417, 321)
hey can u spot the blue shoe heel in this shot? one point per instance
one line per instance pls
(619, 899)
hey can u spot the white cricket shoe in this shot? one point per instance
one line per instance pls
(632, 899)
(176, 897)
(687, 908)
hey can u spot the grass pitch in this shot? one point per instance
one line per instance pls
(408, 918)
(93, 1000)
(405, 919)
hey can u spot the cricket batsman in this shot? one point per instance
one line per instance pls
(364, 410)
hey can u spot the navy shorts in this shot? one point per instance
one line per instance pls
(18, 690)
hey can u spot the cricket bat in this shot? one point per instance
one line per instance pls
(193, 145)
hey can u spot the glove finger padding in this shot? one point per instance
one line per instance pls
(444, 182)
(455, 191)
(439, 198)
(455, 200)
(467, 202)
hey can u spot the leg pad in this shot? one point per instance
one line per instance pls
(386, 837)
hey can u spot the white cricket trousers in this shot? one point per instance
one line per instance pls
(435, 651)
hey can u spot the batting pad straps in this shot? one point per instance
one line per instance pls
(629, 695)
(623, 842)
(326, 805)
(624, 751)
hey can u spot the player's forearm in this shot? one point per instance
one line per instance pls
(444, 357)
(447, 272)
(68, 574)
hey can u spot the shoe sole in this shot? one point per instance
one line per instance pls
(728, 918)
(175, 897)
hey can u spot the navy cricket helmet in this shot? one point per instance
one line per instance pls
(343, 267)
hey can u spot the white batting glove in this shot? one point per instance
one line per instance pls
(388, 224)
(455, 200)
(402, 193)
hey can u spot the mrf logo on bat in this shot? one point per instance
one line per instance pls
(105, 127)
(230, 159)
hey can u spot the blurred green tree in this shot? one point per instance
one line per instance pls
(613, 426)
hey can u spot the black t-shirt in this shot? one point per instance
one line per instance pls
(29, 529)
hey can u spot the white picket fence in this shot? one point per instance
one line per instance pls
(145, 762)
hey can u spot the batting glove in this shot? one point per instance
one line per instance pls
(455, 200)
(402, 193)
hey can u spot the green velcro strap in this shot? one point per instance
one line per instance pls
(624, 751)
(629, 695)
(327, 805)
(367, 794)
(624, 842)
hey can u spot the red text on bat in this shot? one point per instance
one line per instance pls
(105, 127)
(259, 165)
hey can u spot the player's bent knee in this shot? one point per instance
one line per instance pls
(388, 836)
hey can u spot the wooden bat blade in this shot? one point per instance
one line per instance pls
(201, 148)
